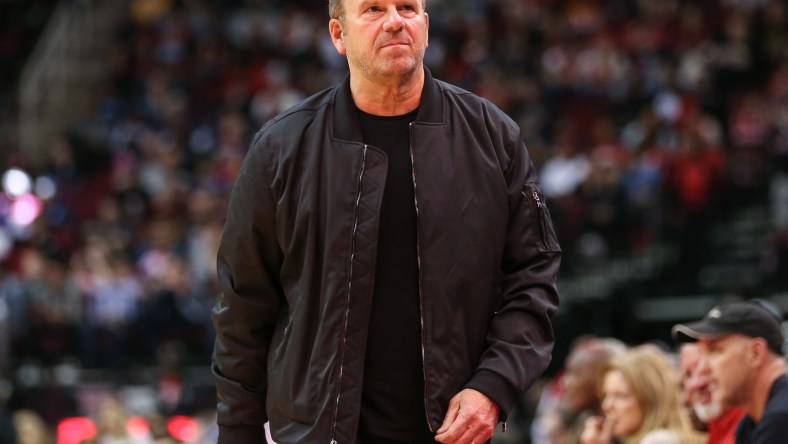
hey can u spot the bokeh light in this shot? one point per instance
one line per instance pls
(75, 430)
(16, 182)
(25, 210)
(45, 187)
(138, 427)
(183, 428)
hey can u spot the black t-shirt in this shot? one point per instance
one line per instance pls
(773, 426)
(392, 400)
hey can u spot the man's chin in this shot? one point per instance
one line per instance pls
(707, 412)
(396, 72)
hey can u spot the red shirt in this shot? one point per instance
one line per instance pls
(723, 429)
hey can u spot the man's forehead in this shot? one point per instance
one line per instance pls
(366, 3)
(586, 357)
(720, 341)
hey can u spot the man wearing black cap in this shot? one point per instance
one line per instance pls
(742, 345)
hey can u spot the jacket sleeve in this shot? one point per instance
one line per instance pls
(248, 266)
(520, 338)
(772, 429)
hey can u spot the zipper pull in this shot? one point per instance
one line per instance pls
(538, 201)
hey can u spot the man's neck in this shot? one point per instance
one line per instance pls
(762, 387)
(387, 98)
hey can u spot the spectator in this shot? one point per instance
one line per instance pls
(111, 419)
(158, 430)
(742, 344)
(56, 309)
(693, 396)
(175, 310)
(111, 306)
(706, 410)
(585, 367)
(31, 428)
(641, 403)
(15, 317)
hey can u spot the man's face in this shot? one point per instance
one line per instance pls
(695, 382)
(384, 40)
(580, 390)
(725, 359)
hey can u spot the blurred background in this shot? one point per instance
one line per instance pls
(659, 127)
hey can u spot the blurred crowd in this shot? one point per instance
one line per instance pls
(637, 389)
(646, 118)
(705, 390)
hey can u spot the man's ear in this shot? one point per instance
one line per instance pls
(427, 22)
(759, 350)
(335, 30)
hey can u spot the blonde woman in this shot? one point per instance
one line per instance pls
(31, 428)
(640, 402)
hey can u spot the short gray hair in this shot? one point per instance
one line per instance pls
(336, 8)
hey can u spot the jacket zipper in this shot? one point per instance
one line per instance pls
(349, 288)
(418, 267)
(540, 207)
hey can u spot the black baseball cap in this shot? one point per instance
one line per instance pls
(754, 318)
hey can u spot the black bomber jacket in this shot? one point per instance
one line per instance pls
(297, 259)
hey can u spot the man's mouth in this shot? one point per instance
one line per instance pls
(390, 44)
(703, 397)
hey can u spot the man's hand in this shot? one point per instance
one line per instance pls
(471, 419)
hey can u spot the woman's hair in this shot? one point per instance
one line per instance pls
(655, 383)
(31, 428)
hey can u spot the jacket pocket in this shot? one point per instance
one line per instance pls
(548, 241)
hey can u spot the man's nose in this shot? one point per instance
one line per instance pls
(393, 20)
(696, 381)
(699, 376)
(703, 367)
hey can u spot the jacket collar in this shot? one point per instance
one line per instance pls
(346, 123)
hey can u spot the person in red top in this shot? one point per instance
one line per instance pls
(719, 420)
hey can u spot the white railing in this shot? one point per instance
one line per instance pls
(61, 75)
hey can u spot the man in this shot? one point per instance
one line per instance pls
(742, 345)
(578, 397)
(707, 412)
(585, 366)
(388, 262)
